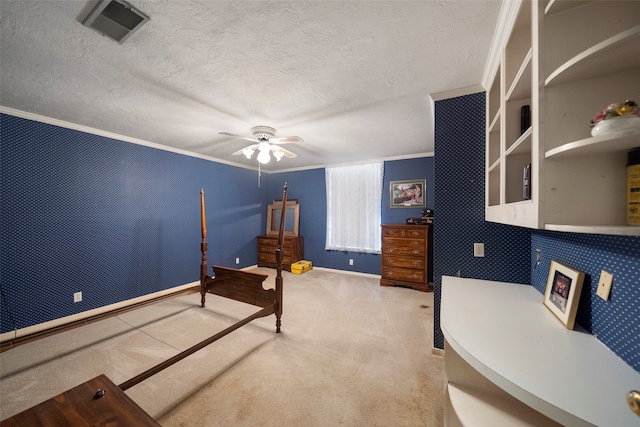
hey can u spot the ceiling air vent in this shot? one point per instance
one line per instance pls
(115, 19)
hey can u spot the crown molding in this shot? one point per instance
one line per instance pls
(73, 126)
(454, 93)
(506, 20)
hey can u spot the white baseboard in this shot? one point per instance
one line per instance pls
(89, 313)
(353, 273)
(437, 351)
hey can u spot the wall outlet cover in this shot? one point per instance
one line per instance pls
(478, 249)
(604, 285)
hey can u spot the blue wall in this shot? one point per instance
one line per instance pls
(459, 206)
(117, 220)
(510, 251)
(309, 188)
(616, 321)
(112, 219)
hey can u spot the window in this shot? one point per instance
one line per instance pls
(354, 195)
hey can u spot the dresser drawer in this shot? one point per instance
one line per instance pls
(403, 262)
(420, 233)
(270, 242)
(268, 249)
(270, 258)
(403, 274)
(401, 246)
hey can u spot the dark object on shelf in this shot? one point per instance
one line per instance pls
(525, 118)
(526, 183)
(633, 188)
(420, 221)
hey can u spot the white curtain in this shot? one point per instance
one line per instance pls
(354, 195)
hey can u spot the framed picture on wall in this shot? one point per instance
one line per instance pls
(410, 193)
(562, 295)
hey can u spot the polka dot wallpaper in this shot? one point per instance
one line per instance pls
(459, 206)
(615, 322)
(510, 252)
(111, 219)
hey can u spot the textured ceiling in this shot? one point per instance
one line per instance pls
(352, 78)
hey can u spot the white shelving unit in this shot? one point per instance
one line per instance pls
(509, 361)
(568, 60)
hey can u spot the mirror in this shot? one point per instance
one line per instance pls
(291, 220)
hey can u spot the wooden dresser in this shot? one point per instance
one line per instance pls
(405, 255)
(292, 248)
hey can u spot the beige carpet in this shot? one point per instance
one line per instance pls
(351, 353)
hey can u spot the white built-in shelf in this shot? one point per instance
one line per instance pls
(623, 140)
(557, 6)
(522, 144)
(619, 230)
(494, 165)
(521, 85)
(519, 202)
(495, 123)
(618, 53)
(475, 408)
(506, 335)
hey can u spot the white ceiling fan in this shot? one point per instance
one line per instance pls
(266, 143)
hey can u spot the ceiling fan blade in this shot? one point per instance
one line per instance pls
(286, 152)
(253, 147)
(248, 138)
(286, 140)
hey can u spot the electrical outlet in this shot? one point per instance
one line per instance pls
(77, 297)
(604, 285)
(237, 260)
(350, 262)
(478, 249)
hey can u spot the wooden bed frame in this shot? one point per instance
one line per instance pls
(234, 284)
(109, 404)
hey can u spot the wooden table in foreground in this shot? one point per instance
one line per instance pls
(79, 407)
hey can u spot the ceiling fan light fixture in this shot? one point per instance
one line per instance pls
(264, 157)
(278, 154)
(248, 152)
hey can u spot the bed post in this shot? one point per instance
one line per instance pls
(279, 259)
(203, 247)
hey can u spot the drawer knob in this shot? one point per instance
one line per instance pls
(633, 400)
(403, 233)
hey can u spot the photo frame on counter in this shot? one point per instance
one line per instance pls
(564, 286)
(409, 193)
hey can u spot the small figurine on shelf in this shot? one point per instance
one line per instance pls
(616, 117)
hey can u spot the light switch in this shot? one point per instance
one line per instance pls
(604, 285)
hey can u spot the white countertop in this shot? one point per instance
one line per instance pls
(506, 333)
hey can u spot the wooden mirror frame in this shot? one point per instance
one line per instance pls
(272, 217)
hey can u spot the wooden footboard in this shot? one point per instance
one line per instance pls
(241, 285)
(238, 285)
